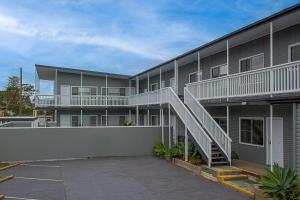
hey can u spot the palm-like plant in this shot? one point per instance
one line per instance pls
(280, 184)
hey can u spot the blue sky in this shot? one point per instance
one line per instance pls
(118, 36)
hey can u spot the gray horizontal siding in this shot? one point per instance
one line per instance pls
(297, 138)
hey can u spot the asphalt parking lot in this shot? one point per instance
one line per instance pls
(118, 178)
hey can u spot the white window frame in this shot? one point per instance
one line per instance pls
(211, 69)
(290, 50)
(252, 118)
(84, 86)
(245, 58)
(197, 76)
(154, 84)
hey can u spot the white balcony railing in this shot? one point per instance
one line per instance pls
(279, 79)
(77, 100)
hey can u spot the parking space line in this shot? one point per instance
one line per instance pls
(40, 165)
(18, 198)
(38, 179)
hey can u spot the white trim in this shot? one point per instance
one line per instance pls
(252, 118)
(196, 72)
(245, 58)
(224, 64)
(289, 50)
(154, 84)
(18, 198)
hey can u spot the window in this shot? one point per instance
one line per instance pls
(115, 91)
(252, 131)
(113, 120)
(222, 121)
(294, 52)
(77, 90)
(154, 120)
(75, 120)
(219, 71)
(163, 84)
(193, 77)
(154, 86)
(172, 82)
(252, 63)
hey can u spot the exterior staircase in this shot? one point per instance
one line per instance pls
(217, 157)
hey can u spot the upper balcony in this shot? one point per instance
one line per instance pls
(283, 79)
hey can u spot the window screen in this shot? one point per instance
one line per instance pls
(295, 53)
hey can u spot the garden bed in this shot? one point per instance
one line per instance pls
(4, 166)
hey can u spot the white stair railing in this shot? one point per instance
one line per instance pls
(167, 95)
(215, 131)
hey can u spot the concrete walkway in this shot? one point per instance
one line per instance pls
(122, 178)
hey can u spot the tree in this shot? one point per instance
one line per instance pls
(16, 100)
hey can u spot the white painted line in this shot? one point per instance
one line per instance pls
(38, 179)
(40, 165)
(18, 198)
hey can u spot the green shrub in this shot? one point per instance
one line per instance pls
(195, 157)
(168, 153)
(159, 149)
(178, 150)
(234, 155)
(280, 184)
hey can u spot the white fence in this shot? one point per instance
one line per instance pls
(279, 79)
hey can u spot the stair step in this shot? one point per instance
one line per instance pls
(237, 176)
(219, 162)
(226, 171)
(218, 157)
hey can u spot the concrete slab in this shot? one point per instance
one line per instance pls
(118, 178)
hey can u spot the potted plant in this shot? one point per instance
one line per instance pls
(281, 184)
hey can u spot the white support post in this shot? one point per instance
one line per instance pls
(106, 118)
(106, 91)
(160, 78)
(186, 144)
(199, 65)
(81, 89)
(227, 116)
(137, 116)
(175, 129)
(176, 76)
(162, 126)
(129, 85)
(169, 118)
(148, 82)
(271, 137)
(81, 118)
(271, 59)
(55, 89)
(137, 85)
(148, 116)
(227, 61)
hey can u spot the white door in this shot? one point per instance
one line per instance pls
(277, 139)
(65, 93)
(65, 120)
